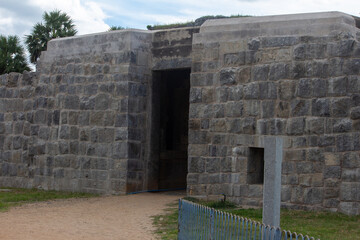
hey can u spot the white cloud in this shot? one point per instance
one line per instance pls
(87, 15)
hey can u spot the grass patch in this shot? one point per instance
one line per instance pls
(322, 225)
(167, 223)
(223, 205)
(15, 196)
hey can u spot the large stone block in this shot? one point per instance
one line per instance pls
(267, 90)
(342, 125)
(260, 73)
(350, 208)
(315, 125)
(340, 107)
(287, 90)
(310, 51)
(212, 165)
(279, 71)
(235, 59)
(228, 76)
(350, 175)
(313, 195)
(235, 93)
(304, 89)
(277, 126)
(120, 150)
(195, 95)
(267, 109)
(332, 172)
(300, 107)
(295, 126)
(337, 86)
(196, 164)
(343, 48)
(218, 125)
(355, 113)
(351, 160)
(234, 109)
(320, 107)
(344, 142)
(102, 101)
(350, 191)
(251, 91)
(72, 102)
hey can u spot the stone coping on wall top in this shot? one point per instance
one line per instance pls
(132, 30)
(281, 21)
(227, 24)
(123, 31)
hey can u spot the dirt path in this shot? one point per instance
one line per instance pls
(103, 218)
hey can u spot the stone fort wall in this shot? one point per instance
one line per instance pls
(289, 76)
(84, 121)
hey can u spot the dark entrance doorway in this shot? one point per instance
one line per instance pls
(170, 115)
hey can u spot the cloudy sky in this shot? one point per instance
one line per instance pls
(90, 16)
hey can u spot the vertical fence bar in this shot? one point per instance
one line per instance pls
(278, 234)
(203, 223)
(207, 223)
(212, 226)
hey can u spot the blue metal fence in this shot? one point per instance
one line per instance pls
(200, 222)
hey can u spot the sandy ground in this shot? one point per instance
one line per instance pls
(102, 218)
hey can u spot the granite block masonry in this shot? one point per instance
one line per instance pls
(105, 112)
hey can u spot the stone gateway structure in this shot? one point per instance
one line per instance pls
(134, 110)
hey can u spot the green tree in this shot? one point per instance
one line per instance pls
(56, 25)
(12, 57)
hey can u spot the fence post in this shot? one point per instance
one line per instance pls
(212, 225)
(273, 151)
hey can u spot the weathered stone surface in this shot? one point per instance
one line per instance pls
(251, 91)
(260, 73)
(342, 125)
(72, 102)
(344, 143)
(355, 113)
(320, 107)
(332, 172)
(300, 108)
(313, 195)
(350, 191)
(295, 126)
(287, 90)
(228, 76)
(234, 109)
(337, 86)
(351, 160)
(279, 71)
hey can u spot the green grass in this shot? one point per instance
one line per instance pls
(167, 224)
(322, 225)
(16, 196)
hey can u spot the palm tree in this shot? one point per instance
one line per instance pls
(56, 25)
(12, 57)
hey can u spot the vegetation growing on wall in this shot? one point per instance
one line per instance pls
(198, 22)
(115, 28)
